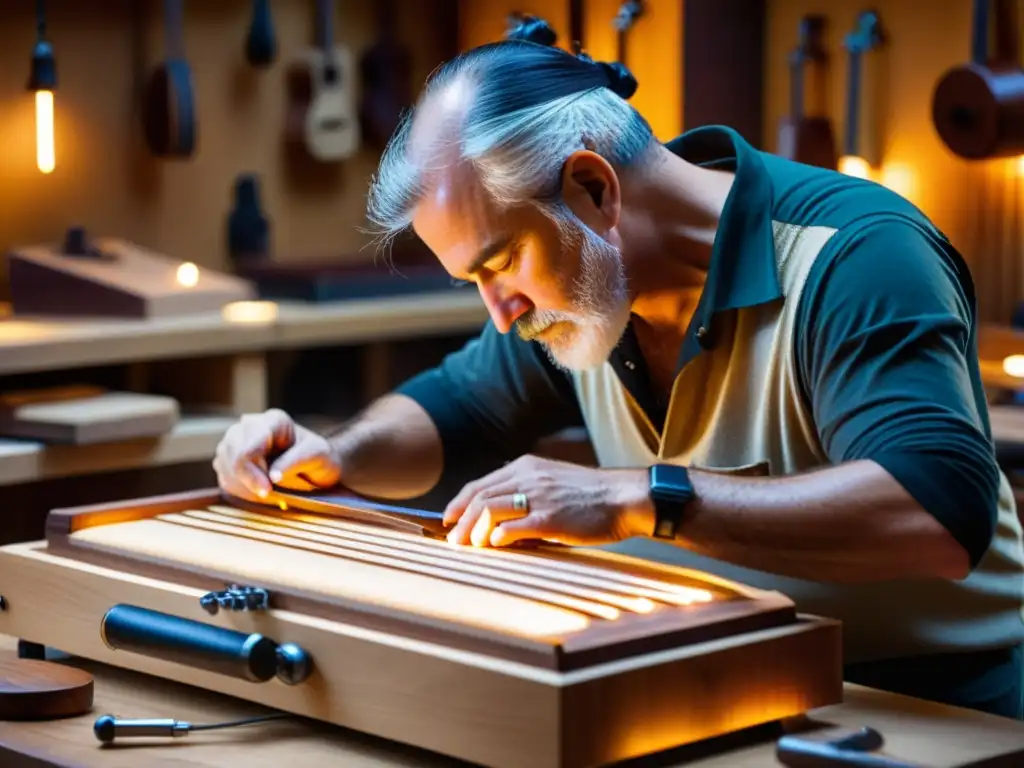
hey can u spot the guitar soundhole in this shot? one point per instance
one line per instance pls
(330, 74)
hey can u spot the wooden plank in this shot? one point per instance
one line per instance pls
(28, 345)
(194, 438)
(350, 322)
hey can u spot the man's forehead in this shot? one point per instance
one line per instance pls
(457, 219)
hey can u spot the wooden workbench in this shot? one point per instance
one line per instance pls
(935, 735)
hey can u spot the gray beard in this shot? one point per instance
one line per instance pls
(600, 314)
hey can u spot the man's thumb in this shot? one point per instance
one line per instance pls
(303, 467)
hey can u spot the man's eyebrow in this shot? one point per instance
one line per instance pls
(488, 252)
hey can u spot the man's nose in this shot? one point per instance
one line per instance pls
(503, 309)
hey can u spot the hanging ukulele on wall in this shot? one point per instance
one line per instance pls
(322, 115)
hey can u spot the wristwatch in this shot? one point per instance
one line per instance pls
(671, 492)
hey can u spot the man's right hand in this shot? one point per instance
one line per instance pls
(299, 459)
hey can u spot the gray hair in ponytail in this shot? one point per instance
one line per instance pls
(530, 107)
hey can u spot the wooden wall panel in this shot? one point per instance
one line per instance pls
(977, 204)
(654, 48)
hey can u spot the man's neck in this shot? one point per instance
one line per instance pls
(668, 233)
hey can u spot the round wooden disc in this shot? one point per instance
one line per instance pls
(42, 690)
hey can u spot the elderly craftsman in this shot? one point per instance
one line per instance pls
(776, 365)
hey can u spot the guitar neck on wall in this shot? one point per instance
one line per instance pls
(865, 37)
(806, 138)
(322, 103)
(625, 19)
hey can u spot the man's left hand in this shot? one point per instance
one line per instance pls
(567, 504)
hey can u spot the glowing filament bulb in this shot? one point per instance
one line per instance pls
(46, 159)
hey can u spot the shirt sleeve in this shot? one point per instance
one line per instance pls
(887, 356)
(492, 400)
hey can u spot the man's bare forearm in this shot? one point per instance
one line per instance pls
(848, 523)
(391, 450)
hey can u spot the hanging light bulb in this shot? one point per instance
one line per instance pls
(43, 81)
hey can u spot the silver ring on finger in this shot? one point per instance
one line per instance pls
(520, 503)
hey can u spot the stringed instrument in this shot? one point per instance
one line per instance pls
(169, 108)
(322, 116)
(806, 138)
(360, 615)
(866, 36)
(978, 107)
(386, 69)
(627, 15)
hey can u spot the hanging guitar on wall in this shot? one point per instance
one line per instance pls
(321, 115)
(169, 109)
(625, 19)
(978, 107)
(866, 36)
(386, 69)
(802, 137)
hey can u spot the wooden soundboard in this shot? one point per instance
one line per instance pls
(540, 656)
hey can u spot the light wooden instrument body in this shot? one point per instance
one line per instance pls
(322, 112)
(545, 657)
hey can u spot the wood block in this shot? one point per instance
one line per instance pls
(111, 277)
(85, 415)
(42, 690)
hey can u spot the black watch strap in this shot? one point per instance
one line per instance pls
(671, 492)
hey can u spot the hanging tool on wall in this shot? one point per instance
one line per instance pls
(261, 41)
(169, 109)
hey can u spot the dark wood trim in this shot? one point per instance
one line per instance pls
(724, 46)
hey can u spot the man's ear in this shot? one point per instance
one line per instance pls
(590, 187)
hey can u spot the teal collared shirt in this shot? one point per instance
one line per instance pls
(885, 345)
(742, 271)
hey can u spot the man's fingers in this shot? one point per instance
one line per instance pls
(530, 527)
(489, 484)
(303, 467)
(495, 511)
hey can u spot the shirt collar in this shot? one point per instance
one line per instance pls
(743, 271)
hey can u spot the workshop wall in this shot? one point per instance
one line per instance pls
(106, 180)
(977, 204)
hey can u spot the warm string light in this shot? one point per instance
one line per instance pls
(43, 81)
(46, 156)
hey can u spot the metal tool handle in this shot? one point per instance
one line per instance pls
(192, 643)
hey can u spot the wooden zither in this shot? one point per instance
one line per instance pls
(363, 616)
